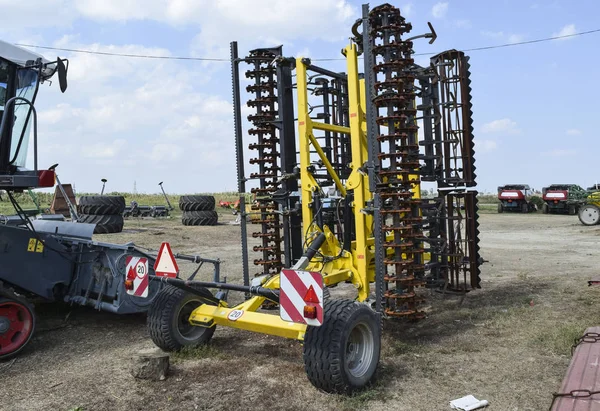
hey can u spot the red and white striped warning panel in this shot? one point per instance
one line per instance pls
(137, 271)
(301, 297)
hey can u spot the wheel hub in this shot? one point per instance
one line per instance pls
(4, 324)
(359, 350)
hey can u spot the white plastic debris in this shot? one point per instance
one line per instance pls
(468, 403)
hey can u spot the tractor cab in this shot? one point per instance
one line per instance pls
(21, 73)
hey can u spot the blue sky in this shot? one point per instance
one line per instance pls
(147, 121)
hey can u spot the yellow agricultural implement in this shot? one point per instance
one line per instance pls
(336, 174)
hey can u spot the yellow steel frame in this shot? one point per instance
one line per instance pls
(357, 266)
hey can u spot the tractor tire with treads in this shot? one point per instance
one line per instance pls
(199, 218)
(196, 203)
(168, 317)
(105, 224)
(545, 209)
(101, 205)
(572, 209)
(341, 356)
(500, 209)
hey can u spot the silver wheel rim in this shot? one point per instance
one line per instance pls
(186, 330)
(589, 215)
(359, 350)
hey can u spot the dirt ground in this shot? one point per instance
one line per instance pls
(508, 343)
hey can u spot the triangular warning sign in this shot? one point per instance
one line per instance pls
(311, 296)
(165, 265)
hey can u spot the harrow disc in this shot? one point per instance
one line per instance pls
(17, 323)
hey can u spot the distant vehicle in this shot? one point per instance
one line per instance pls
(595, 187)
(515, 197)
(563, 198)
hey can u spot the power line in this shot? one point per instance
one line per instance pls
(148, 56)
(105, 53)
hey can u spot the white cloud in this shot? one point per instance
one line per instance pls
(485, 146)
(505, 126)
(560, 152)
(131, 119)
(567, 30)
(573, 132)
(463, 24)
(515, 38)
(503, 36)
(104, 150)
(492, 34)
(439, 10)
(407, 10)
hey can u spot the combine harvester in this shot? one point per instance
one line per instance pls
(563, 198)
(339, 200)
(54, 260)
(515, 197)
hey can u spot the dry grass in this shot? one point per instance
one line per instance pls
(508, 343)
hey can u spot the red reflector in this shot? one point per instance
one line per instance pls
(310, 312)
(555, 201)
(129, 285)
(510, 201)
(311, 296)
(46, 178)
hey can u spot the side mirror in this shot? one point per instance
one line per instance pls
(62, 74)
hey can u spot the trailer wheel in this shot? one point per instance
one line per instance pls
(545, 209)
(196, 203)
(168, 323)
(17, 324)
(589, 214)
(500, 209)
(342, 355)
(524, 208)
(572, 210)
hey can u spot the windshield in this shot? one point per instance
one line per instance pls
(3, 82)
(26, 88)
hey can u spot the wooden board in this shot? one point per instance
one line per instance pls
(59, 204)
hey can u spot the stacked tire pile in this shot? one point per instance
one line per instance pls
(104, 211)
(198, 210)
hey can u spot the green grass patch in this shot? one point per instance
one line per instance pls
(559, 339)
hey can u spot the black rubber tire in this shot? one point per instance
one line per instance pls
(101, 205)
(196, 203)
(325, 347)
(500, 209)
(105, 224)
(163, 320)
(326, 294)
(545, 209)
(199, 218)
(572, 209)
(23, 302)
(524, 208)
